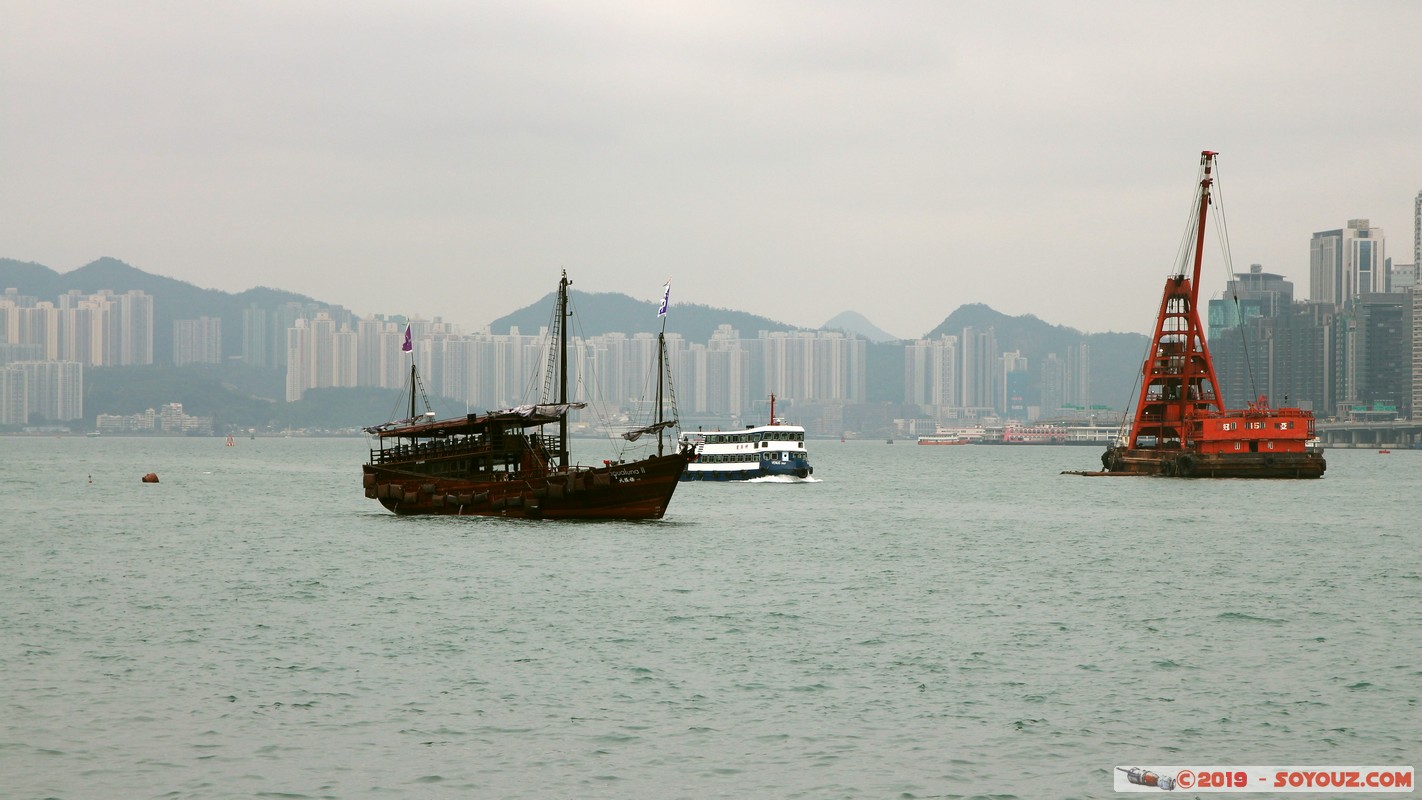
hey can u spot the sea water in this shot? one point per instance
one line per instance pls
(915, 622)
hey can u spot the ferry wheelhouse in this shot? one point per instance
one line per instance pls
(761, 451)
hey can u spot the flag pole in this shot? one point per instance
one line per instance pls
(409, 347)
(662, 360)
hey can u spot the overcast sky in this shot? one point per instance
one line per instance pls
(790, 159)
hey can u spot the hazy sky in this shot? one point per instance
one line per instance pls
(791, 159)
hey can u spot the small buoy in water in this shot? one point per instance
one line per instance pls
(151, 477)
(91, 479)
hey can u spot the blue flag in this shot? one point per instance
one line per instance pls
(666, 300)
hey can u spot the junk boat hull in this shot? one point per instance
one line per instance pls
(634, 490)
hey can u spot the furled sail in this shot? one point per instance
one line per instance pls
(637, 433)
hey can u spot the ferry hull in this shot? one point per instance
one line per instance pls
(1176, 464)
(635, 490)
(692, 473)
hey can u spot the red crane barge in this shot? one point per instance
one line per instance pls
(1181, 428)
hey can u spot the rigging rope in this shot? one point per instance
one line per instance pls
(1222, 231)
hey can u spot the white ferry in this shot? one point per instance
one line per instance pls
(756, 452)
(943, 436)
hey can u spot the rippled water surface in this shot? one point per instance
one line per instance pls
(918, 622)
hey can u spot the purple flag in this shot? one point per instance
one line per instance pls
(666, 299)
(409, 344)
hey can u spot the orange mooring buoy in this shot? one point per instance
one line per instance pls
(151, 477)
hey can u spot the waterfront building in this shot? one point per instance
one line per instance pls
(1014, 386)
(14, 396)
(53, 390)
(1375, 346)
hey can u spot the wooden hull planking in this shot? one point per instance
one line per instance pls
(634, 490)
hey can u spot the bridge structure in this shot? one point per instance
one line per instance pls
(1400, 433)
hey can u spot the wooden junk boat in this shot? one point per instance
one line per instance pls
(502, 464)
(1181, 427)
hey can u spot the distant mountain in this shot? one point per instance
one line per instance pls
(172, 298)
(1115, 357)
(854, 322)
(610, 312)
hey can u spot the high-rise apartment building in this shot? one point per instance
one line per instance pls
(197, 341)
(931, 375)
(1255, 293)
(101, 330)
(1375, 353)
(14, 396)
(1347, 262)
(1417, 231)
(53, 390)
(978, 358)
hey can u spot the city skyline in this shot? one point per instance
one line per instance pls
(1303, 278)
(1036, 158)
